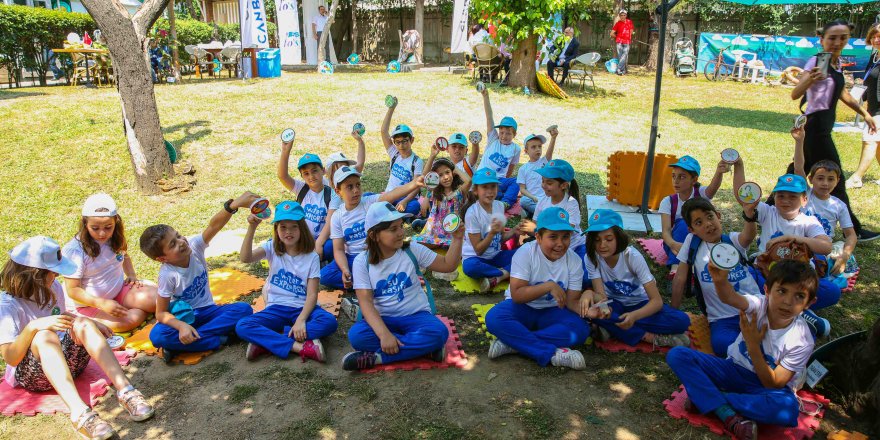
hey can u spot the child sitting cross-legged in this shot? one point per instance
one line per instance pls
(447, 198)
(398, 323)
(292, 322)
(756, 383)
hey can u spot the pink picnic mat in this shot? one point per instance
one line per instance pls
(653, 247)
(455, 356)
(91, 384)
(615, 346)
(807, 424)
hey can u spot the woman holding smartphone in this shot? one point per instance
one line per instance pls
(821, 86)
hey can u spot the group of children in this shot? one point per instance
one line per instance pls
(563, 283)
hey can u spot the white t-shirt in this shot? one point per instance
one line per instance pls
(16, 313)
(397, 290)
(742, 280)
(101, 277)
(773, 225)
(789, 347)
(666, 203)
(532, 180)
(530, 264)
(622, 284)
(478, 221)
(191, 283)
(404, 170)
(289, 276)
(499, 157)
(482, 36)
(349, 225)
(573, 208)
(319, 21)
(313, 205)
(830, 213)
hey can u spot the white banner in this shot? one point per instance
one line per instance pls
(289, 37)
(460, 27)
(254, 28)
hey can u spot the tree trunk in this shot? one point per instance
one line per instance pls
(653, 46)
(522, 64)
(420, 28)
(172, 26)
(128, 44)
(325, 34)
(354, 27)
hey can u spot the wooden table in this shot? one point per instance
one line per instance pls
(85, 51)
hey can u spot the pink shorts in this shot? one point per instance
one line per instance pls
(91, 312)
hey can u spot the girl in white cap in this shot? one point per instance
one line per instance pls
(46, 348)
(105, 286)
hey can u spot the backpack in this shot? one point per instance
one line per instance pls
(692, 284)
(673, 200)
(412, 170)
(305, 190)
(789, 250)
(415, 262)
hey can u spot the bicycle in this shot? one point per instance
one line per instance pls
(717, 69)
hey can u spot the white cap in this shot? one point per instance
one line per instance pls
(382, 212)
(42, 252)
(344, 173)
(338, 157)
(99, 205)
(622, 11)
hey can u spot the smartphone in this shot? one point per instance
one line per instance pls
(823, 61)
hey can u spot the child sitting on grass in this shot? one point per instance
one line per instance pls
(756, 383)
(530, 182)
(187, 318)
(459, 154)
(446, 199)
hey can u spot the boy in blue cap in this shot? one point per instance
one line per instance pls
(527, 178)
(458, 152)
(685, 173)
(502, 153)
(405, 164)
(537, 317)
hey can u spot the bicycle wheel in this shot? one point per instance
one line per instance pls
(711, 71)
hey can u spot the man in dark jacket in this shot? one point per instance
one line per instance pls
(567, 53)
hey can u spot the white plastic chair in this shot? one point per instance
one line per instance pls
(588, 61)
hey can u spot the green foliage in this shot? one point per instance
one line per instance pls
(522, 19)
(780, 19)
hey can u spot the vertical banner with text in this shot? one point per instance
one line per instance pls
(460, 27)
(289, 37)
(254, 24)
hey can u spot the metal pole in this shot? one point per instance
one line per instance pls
(652, 142)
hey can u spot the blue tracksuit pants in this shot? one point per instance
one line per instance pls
(724, 332)
(211, 322)
(667, 321)
(479, 267)
(712, 381)
(420, 333)
(331, 275)
(269, 328)
(536, 333)
(679, 233)
(508, 190)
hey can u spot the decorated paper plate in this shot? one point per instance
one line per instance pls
(354, 59)
(390, 101)
(442, 143)
(748, 193)
(480, 86)
(432, 180)
(552, 127)
(729, 155)
(264, 214)
(288, 135)
(259, 205)
(359, 129)
(326, 68)
(724, 255)
(393, 67)
(115, 342)
(451, 223)
(475, 137)
(800, 121)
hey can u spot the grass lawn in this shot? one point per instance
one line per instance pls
(58, 145)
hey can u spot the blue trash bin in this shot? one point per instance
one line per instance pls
(269, 63)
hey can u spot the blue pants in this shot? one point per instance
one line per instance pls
(508, 190)
(211, 322)
(420, 333)
(528, 206)
(712, 382)
(828, 294)
(328, 251)
(270, 327)
(679, 233)
(413, 207)
(479, 267)
(667, 321)
(536, 333)
(331, 275)
(581, 251)
(724, 332)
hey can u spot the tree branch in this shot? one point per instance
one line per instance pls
(147, 15)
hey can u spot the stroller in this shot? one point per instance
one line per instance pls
(684, 63)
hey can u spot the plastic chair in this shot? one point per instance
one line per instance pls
(488, 60)
(229, 58)
(81, 69)
(201, 60)
(588, 61)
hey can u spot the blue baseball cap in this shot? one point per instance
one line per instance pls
(288, 210)
(688, 163)
(535, 136)
(603, 219)
(402, 129)
(791, 183)
(458, 138)
(382, 212)
(507, 121)
(484, 176)
(307, 159)
(557, 169)
(554, 219)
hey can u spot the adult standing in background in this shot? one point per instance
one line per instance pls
(622, 34)
(871, 80)
(318, 23)
(567, 54)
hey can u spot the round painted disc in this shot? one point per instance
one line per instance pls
(115, 342)
(359, 129)
(432, 180)
(264, 214)
(288, 135)
(729, 155)
(724, 255)
(451, 223)
(552, 127)
(475, 137)
(800, 121)
(442, 143)
(390, 101)
(748, 193)
(259, 205)
(480, 86)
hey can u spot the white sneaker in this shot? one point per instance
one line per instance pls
(498, 349)
(446, 276)
(676, 340)
(566, 357)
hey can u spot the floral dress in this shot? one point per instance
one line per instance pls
(433, 233)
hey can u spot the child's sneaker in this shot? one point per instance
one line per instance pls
(136, 405)
(819, 326)
(566, 357)
(168, 356)
(360, 360)
(498, 349)
(446, 276)
(677, 340)
(741, 427)
(488, 284)
(312, 349)
(254, 352)
(351, 308)
(91, 427)
(438, 355)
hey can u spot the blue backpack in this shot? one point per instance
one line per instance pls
(692, 285)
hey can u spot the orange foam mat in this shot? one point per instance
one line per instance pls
(701, 337)
(330, 300)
